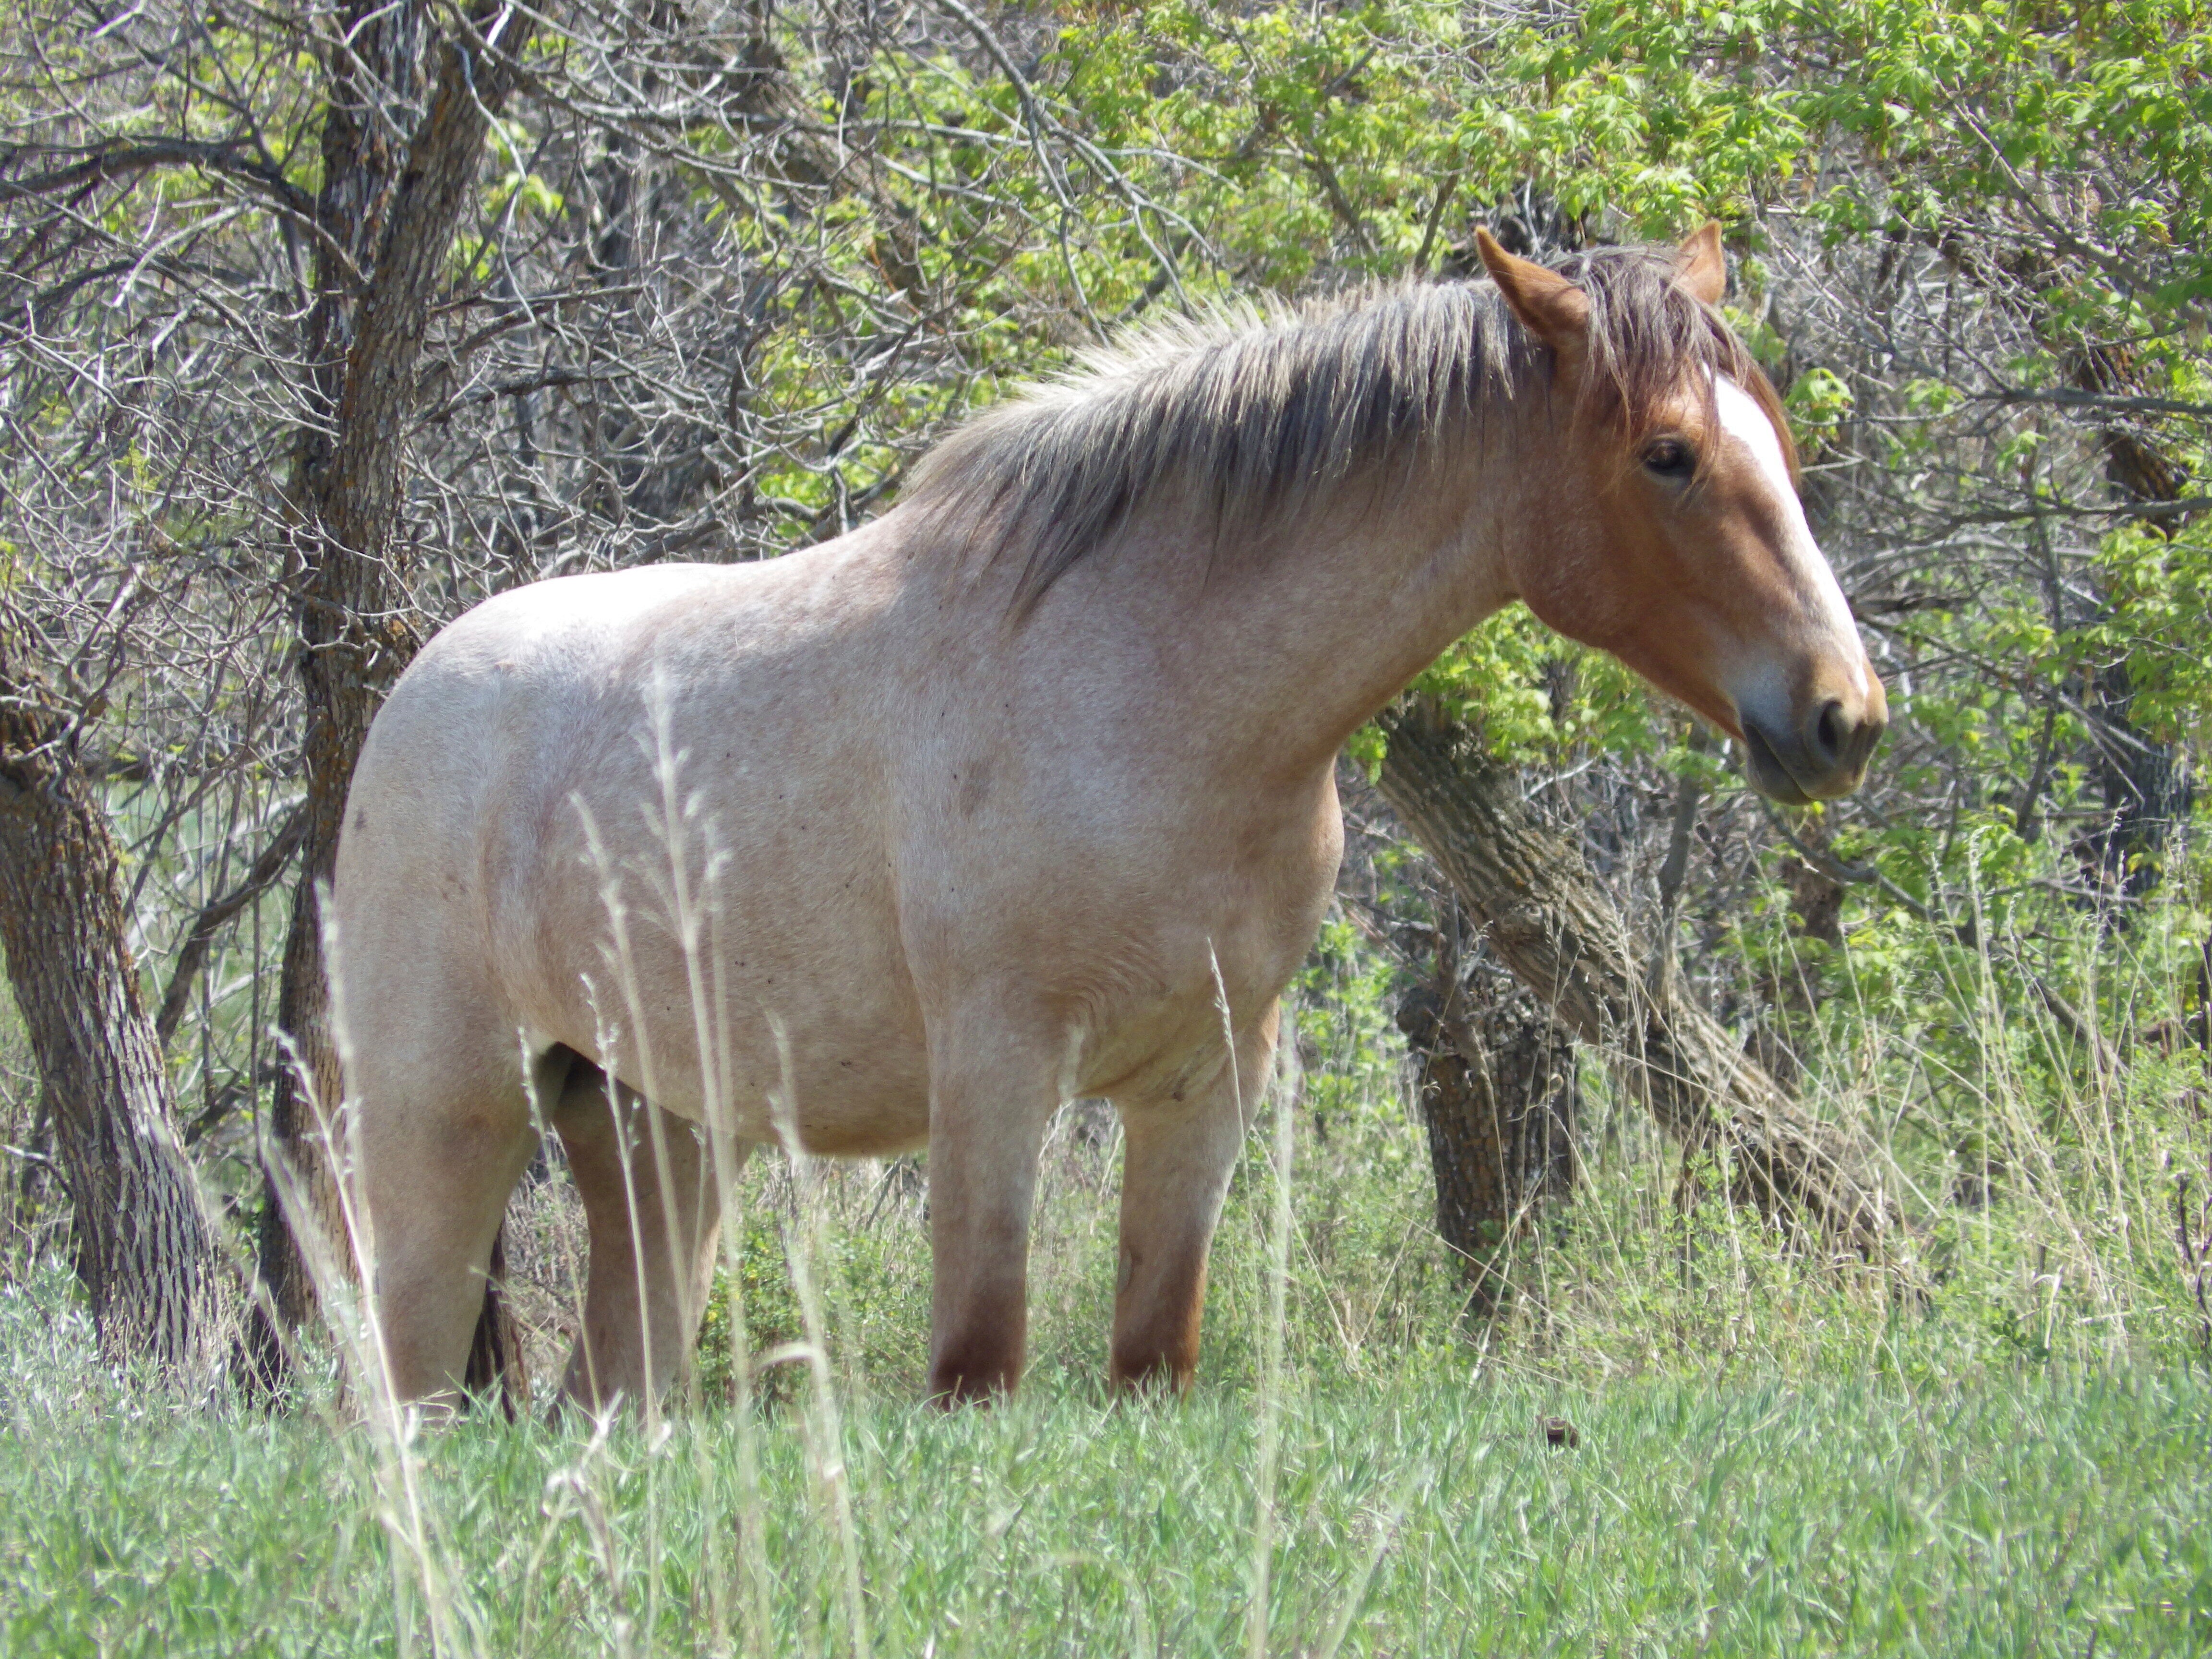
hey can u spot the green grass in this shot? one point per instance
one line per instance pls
(2000, 1510)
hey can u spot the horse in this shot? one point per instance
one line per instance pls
(1022, 791)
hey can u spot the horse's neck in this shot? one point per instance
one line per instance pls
(1303, 642)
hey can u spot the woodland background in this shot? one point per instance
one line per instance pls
(321, 323)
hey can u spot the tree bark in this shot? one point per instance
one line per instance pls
(145, 1245)
(388, 213)
(2143, 780)
(1499, 1093)
(1547, 920)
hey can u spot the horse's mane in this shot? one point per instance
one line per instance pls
(1261, 405)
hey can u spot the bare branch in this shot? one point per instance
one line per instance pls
(121, 158)
(216, 914)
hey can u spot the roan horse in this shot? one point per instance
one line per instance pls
(1010, 790)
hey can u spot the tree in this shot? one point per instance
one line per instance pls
(1547, 921)
(384, 219)
(145, 1246)
(1495, 1077)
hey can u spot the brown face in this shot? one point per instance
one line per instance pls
(1685, 554)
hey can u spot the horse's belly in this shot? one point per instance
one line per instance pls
(845, 1099)
(793, 1009)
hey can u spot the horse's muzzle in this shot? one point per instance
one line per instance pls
(1822, 753)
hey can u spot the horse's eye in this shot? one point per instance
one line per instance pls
(1670, 457)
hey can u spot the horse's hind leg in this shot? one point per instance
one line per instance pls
(440, 1136)
(1177, 1157)
(653, 1240)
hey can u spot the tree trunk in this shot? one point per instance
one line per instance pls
(1547, 920)
(1499, 1093)
(389, 212)
(2143, 780)
(145, 1245)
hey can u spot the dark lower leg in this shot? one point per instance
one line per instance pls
(979, 1312)
(986, 1124)
(1175, 1161)
(1174, 1171)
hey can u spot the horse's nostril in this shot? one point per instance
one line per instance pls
(1828, 731)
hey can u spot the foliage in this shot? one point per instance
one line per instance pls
(727, 276)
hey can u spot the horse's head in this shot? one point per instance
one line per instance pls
(1670, 532)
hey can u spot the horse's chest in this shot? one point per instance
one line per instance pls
(1122, 925)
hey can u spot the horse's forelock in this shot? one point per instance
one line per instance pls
(1648, 335)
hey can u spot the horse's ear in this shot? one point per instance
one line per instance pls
(1703, 265)
(1549, 307)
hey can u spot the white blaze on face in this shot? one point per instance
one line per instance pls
(1744, 420)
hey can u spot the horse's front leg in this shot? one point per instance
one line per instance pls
(1177, 1159)
(991, 1092)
